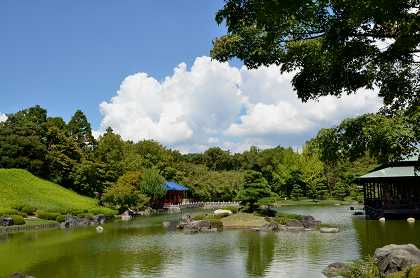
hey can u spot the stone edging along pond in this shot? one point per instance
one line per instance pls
(22, 228)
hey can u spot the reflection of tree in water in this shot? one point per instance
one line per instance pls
(372, 234)
(260, 252)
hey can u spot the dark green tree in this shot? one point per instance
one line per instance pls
(22, 141)
(334, 47)
(217, 159)
(80, 130)
(254, 188)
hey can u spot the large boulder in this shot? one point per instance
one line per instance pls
(294, 223)
(270, 227)
(335, 269)
(201, 226)
(222, 212)
(329, 230)
(6, 221)
(310, 222)
(393, 258)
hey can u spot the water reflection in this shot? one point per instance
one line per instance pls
(373, 234)
(144, 248)
(260, 251)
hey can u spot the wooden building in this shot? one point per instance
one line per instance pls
(392, 190)
(175, 193)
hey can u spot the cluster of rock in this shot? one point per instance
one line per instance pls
(390, 259)
(308, 223)
(75, 221)
(6, 221)
(190, 226)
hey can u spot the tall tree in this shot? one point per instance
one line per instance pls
(80, 130)
(23, 142)
(333, 46)
(254, 188)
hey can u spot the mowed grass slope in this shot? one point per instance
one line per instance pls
(20, 188)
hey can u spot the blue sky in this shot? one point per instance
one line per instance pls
(141, 67)
(68, 55)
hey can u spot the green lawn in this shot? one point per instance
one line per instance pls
(243, 220)
(20, 188)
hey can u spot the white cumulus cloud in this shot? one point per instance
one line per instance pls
(3, 117)
(215, 104)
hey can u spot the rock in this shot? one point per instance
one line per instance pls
(334, 269)
(100, 219)
(6, 221)
(70, 221)
(125, 216)
(294, 223)
(329, 230)
(20, 275)
(99, 229)
(393, 258)
(270, 227)
(295, 228)
(222, 212)
(310, 222)
(382, 219)
(201, 226)
(166, 224)
(411, 220)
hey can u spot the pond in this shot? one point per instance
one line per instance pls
(144, 248)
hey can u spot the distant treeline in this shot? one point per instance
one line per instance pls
(68, 154)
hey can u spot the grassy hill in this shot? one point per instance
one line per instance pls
(19, 188)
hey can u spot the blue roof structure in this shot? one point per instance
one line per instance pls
(171, 185)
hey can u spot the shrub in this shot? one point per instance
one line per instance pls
(290, 216)
(206, 217)
(109, 213)
(216, 224)
(60, 218)
(18, 220)
(363, 268)
(9, 212)
(232, 209)
(47, 215)
(28, 210)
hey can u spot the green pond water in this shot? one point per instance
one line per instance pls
(144, 248)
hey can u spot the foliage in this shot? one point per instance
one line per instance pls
(366, 268)
(340, 191)
(47, 215)
(60, 218)
(212, 185)
(254, 188)
(313, 176)
(332, 47)
(125, 192)
(411, 272)
(206, 216)
(79, 129)
(233, 209)
(17, 219)
(152, 184)
(297, 192)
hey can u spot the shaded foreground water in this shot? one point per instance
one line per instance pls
(144, 248)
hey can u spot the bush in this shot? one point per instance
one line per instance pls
(18, 220)
(207, 217)
(9, 212)
(28, 210)
(47, 215)
(109, 213)
(232, 209)
(363, 268)
(290, 216)
(60, 218)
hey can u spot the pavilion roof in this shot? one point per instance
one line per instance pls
(171, 185)
(405, 169)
